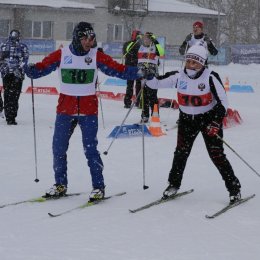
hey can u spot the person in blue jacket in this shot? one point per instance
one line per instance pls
(78, 65)
(13, 56)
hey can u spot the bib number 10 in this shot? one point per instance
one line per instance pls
(77, 76)
(189, 100)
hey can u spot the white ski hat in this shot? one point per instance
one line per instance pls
(197, 53)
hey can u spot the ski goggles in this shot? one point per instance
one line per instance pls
(89, 35)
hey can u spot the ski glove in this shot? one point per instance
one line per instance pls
(207, 39)
(29, 70)
(146, 71)
(188, 37)
(213, 128)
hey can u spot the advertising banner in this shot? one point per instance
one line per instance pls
(245, 54)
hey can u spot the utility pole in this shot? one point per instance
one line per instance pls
(218, 27)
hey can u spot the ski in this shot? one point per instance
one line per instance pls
(40, 199)
(230, 206)
(171, 128)
(86, 205)
(162, 200)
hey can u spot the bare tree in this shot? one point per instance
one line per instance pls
(241, 23)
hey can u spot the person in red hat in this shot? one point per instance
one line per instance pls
(198, 37)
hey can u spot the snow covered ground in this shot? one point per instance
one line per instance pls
(175, 230)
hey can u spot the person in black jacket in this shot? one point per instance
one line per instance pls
(130, 50)
(203, 104)
(13, 56)
(198, 37)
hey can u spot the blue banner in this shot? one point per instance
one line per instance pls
(245, 54)
(221, 58)
(39, 46)
(129, 131)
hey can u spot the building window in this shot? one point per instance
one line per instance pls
(4, 28)
(115, 33)
(47, 30)
(27, 29)
(37, 29)
(69, 30)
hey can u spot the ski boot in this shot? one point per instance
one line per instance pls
(234, 197)
(56, 191)
(97, 194)
(169, 191)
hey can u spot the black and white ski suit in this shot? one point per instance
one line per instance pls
(202, 100)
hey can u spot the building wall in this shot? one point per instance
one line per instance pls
(173, 26)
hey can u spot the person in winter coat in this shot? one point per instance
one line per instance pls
(78, 66)
(198, 37)
(148, 57)
(13, 56)
(130, 50)
(203, 104)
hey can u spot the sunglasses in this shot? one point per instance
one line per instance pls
(89, 35)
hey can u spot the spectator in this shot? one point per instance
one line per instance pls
(130, 50)
(148, 56)
(13, 56)
(198, 37)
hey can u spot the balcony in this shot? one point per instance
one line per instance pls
(128, 7)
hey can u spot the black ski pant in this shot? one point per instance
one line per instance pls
(188, 129)
(130, 91)
(148, 99)
(12, 90)
(1, 102)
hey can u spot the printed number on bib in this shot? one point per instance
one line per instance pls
(194, 100)
(77, 76)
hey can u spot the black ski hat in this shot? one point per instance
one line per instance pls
(81, 29)
(14, 36)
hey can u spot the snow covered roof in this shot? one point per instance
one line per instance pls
(48, 3)
(173, 6)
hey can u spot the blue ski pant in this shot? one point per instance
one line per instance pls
(64, 128)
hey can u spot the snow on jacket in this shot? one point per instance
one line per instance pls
(13, 56)
(83, 103)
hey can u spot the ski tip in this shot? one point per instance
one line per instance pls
(210, 217)
(52, 215)
(131, 211)
(40, 199)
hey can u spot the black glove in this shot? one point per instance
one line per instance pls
(207, 39)
(188, 37)
(29, 69)
(146, 71)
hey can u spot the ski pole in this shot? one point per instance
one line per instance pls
(143, 143)
(118, 131)
(34, 135)
(101, 107)
(238, 155)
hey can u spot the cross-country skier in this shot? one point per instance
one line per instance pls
(198, 37)
(78, 66)
(203, 104)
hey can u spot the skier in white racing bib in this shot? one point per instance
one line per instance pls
(203, 104)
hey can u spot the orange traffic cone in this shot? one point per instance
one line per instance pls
(155, 125)
(226, 84)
